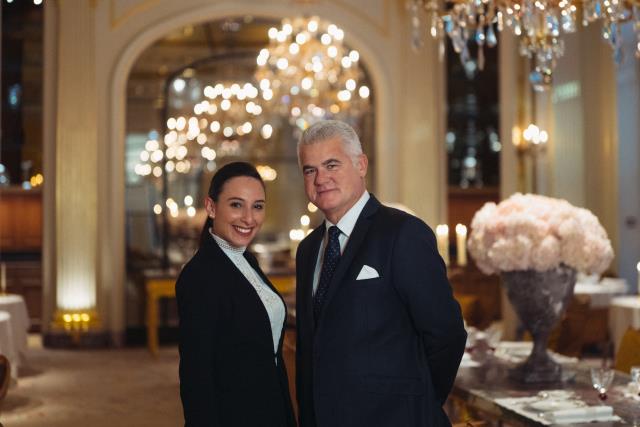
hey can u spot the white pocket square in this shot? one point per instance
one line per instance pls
(367, 273)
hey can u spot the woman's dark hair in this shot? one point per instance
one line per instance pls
(220, 178)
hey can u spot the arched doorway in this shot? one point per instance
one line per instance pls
(122, 70)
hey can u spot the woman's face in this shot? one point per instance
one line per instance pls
(239, 212)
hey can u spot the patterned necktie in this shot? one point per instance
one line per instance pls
(329, 264)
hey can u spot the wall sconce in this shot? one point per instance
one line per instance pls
(529, 142)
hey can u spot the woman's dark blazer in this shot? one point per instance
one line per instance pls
(228, 371)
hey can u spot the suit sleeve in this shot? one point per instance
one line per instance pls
(420, 276)
(198, 323)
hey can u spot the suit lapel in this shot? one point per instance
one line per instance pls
(315, 243)
(353, 246)
(236, 275)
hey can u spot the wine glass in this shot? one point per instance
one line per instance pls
(601, 378)
(635, 378)
(493, 336)
(471, 339)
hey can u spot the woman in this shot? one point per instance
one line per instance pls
(231, 318)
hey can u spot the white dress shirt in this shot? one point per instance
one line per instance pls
(271, 301)
(345, 225)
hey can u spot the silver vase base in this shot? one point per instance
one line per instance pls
(525, 373)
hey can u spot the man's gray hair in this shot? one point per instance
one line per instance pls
(329, 129)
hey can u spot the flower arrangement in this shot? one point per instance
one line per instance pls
(532, 232)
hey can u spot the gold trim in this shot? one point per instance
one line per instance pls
(117, 21)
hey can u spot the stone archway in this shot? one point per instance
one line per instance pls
(112, 179)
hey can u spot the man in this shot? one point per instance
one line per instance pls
(379, 335)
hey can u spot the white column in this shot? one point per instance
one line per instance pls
(584, 137)
(50, 76)
(628, 158)
(420, 145)
(566, 145)
(76, 158)
(513, 108)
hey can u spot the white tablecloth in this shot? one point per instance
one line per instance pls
(603, 292)
(624, 312)
(7, 343)
(16, 307)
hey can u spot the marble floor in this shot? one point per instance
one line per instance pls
(96, 388)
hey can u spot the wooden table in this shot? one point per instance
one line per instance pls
(163, 285)
(157, 287)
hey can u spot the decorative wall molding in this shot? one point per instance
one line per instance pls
(119, 12)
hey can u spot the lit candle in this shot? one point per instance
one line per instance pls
(461, 244)
(3, 278)
(442, 236)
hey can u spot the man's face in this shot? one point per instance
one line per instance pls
(331, 179)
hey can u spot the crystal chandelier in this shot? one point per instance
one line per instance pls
(538, 24)
(227, 121)
(308, 74)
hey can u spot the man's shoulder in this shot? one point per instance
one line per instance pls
(398, 220)
(314, 236)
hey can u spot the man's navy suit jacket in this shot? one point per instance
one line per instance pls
(385, 351)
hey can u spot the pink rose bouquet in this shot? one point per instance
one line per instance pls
(532, 232)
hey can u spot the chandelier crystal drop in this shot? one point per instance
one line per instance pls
(538, 24)
(308, 74)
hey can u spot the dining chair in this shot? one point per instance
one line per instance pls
(5, 376)
(628, 353)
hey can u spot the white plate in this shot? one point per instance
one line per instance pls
(548, 405)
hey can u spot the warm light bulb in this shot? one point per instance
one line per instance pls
(267, 131)
(179, 85)
(282, 63)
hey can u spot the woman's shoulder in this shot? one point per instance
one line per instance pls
(198, 272)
